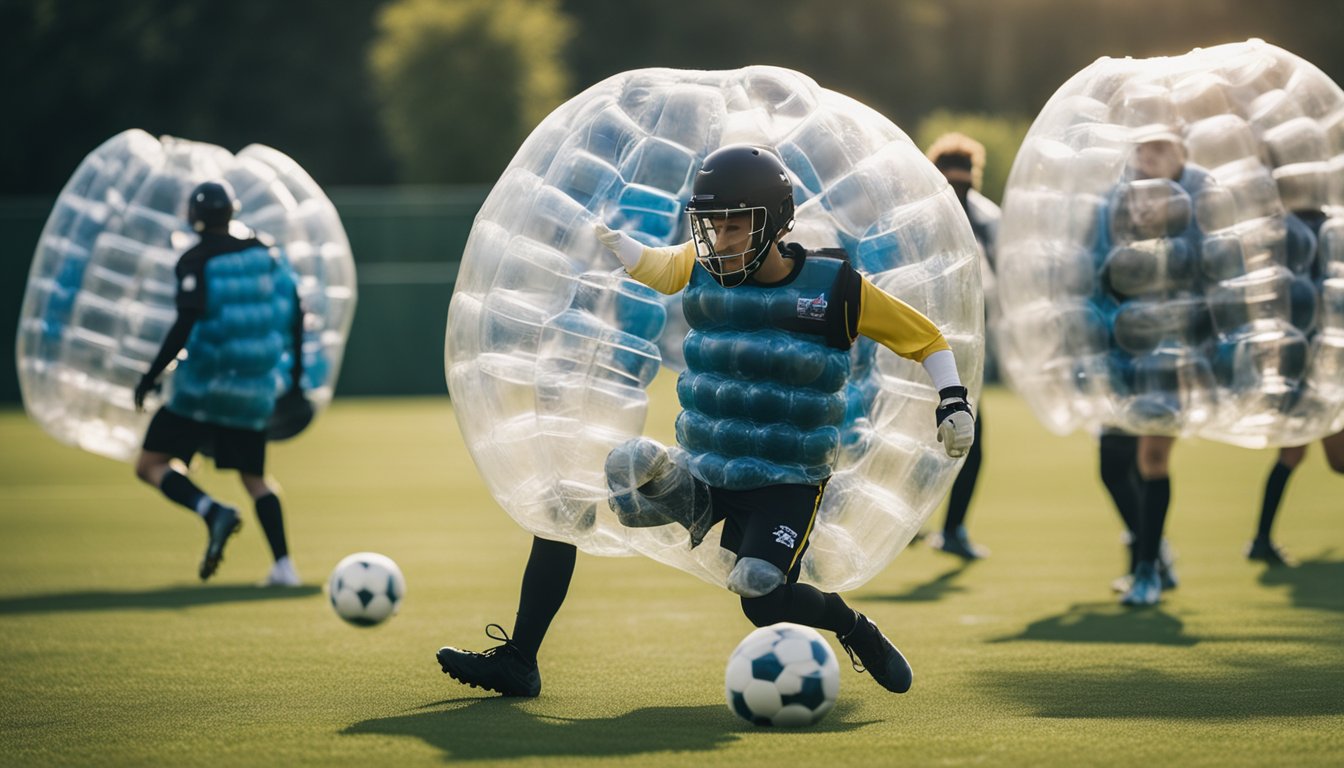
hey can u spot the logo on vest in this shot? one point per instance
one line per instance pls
(812, 309)
(786, 536)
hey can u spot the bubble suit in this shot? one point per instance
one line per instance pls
(101, 293)
(1200, 301)
(551, 346)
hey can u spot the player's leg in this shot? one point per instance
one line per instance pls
(244, 450)
(776, 522)
(1262, 547)
(271, 518)
(1334, 451)
(172, 437)
(650, 488)
(1154, 459)
(511, 667)
(1118, 454)
(176, 437)
(954, 539)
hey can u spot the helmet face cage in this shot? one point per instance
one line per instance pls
(731, 243)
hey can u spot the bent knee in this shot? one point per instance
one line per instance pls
(1292, 456)
(148, 472)
(753, 577)
(764, 610)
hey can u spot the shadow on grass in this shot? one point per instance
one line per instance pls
(497, 728)
(1317, 583)
(1262, 687)
(1107, 623)
(168, 598)
(930, 591)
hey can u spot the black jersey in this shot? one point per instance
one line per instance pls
(191, 266)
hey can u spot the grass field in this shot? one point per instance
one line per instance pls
(111, 652)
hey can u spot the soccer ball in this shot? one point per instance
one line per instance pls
(783, 674)
(366, 588)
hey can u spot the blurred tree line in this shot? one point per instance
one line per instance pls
(443, 91)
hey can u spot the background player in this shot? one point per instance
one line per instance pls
(237, 314)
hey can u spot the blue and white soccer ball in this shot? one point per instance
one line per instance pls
(366, 588)
(783, 674)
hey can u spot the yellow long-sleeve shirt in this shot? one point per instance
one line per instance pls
(882, 317)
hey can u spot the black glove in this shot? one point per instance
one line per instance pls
(145, 386)
(956, 423)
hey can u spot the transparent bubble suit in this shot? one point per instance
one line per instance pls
(550, 346)
(1203, 305)
(101, 292)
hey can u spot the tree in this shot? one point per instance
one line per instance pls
(461, 83)
(292, 75)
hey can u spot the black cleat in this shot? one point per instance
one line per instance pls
(503, 668)
(222, 522)
(877, 656)
(1267, 552)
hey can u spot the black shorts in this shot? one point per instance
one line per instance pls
(181, 437)
(771, 523)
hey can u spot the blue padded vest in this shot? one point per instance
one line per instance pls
(233, 371)
(763, 394)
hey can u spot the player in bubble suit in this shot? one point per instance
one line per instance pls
(962, 161)
(237, 310)
(761, 313)
(1158, 154)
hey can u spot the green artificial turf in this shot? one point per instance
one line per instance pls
(111, 651)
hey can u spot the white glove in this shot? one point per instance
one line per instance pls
(956, 424)
(627, 249)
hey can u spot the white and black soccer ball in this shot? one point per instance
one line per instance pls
(783, 674)
(366, 588)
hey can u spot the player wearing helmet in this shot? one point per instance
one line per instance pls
(224, 392)
(961, 160)
(770, 323)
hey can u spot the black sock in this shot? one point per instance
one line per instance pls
(546, 578)
(1120, 475)
(273, 524)
(800, 604)
(959, 500)
(1156, 498)
(1274, 487)
(180, 490)
(839, 617)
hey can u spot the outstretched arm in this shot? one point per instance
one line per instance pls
(666, 270)
(173, 344)
(907, 332)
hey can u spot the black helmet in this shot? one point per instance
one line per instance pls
(748, 185)
(211, 205)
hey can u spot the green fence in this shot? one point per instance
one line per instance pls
(407, 242)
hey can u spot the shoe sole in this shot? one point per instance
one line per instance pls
(210, 564)
(453, 673)
(281, 584)
(1136, 603)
